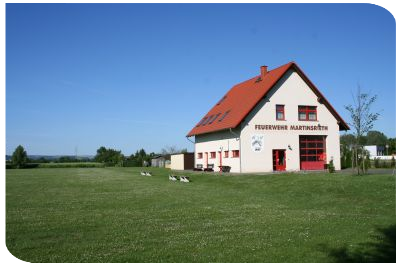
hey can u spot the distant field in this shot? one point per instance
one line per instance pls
(117, 215)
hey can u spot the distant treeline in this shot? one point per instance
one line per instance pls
(111, 157)
(57, 165)
(62, 159)
(104, 157)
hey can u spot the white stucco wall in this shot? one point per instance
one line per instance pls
(215, 142)
(290, 91)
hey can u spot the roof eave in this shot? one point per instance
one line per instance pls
(207, 132)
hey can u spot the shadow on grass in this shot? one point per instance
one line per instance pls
(383, 249)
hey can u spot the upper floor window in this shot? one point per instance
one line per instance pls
(200, 155)
(212, 155)
(224, 115)
(235, 153)
(226, 154)
(280, 112)
(307, 113)
(215, 117)
(201, 121)
(207, 120)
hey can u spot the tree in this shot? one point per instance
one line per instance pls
(19, 157)
(392, 145)
(376, 138)
(362, 120)
(142, 153)
(109, 157)
(168, 150)
(140, 158)
(101, 155)
(347, 139)
(1, 153)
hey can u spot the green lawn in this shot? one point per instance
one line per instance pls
(117, 215)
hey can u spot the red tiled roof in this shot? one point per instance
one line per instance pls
(243, 97)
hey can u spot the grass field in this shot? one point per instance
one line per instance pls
(117, 215)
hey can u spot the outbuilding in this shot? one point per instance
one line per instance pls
(275, 121)
(158, 161)
(182, 161)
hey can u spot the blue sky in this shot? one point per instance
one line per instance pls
(127, 76)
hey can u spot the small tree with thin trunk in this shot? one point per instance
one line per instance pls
(1, 153)
(362, 120)
(19, 157)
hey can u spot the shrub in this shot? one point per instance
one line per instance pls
(331, 167)
(31, 165)
(377, 163)
(131, 163)
(367, 162)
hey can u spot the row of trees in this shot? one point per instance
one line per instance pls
(107, 156)
(111, 157)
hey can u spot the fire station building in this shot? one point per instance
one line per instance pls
(276, 121)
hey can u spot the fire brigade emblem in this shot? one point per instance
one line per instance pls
(257, 143)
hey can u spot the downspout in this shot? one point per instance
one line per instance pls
(240, 149)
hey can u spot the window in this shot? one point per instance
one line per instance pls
(215, 117)
(212, 155)
(201, 121)
(200, 155)
(280, 112)
(235, 153)
(223, 116)
(307, 113)
(206, 120)
(226, 154)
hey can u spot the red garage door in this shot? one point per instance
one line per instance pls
(312, 152)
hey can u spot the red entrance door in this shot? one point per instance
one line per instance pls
(279, 160)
